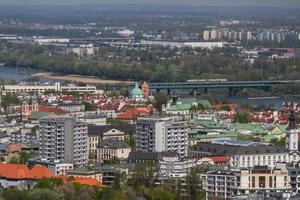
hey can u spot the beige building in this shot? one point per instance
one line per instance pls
(263, 178)
(85, 173)
(96, 134)
(112, 148)
(206, 35)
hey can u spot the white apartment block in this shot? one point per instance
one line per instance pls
(64, 139)
(159, 134)
(17, 89)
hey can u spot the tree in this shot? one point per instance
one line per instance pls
(13, 194)
(88, 106)
(49, 183)
(114, 121)
(111, 194)
(119, 181)
(21, 159)
(194, 184)
(130, 141)
(242, 117)
(160, 194)
(144, 174)
(24, 156)
(9, 99)
(45, 194)
(113, 161)
(278, 142)
(160, 99)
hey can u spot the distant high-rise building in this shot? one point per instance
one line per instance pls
(206, 35)
(64, 139)
(240, 36)
(162, 134)
(213, 35)
(249, 35)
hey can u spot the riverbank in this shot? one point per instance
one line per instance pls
(77, 78)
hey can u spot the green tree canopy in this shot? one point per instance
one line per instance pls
(160, 194)
(45, 194)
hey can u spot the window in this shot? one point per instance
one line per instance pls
(262, 181)
(270, 182)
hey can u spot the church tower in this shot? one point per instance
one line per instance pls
(291, 141)
(24, 107)
(34, 103)
(145, 87)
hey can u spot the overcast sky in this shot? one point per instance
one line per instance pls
(289, 3)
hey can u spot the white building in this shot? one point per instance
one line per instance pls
(158, 134)
(203, 45)
(64, 139)
(97, 120)
(48, 41)
(17, 89)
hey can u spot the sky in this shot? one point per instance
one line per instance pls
(287, 3)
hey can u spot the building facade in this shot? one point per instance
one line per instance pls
(64, 139)
(158, 134)
(112, 148)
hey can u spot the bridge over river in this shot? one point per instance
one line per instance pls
(232, 86)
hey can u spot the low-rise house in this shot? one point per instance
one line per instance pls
(175, 167)
(96, 134)
(72, 107)
(97, 120)
(112, 148)
(9, 151)
(83, 181)
(57, 168)
(85, 173)
(20, 176)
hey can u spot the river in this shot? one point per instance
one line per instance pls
(18, 75)
(14, 74)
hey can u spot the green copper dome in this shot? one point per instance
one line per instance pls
(136, 91)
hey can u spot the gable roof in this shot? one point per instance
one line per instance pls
(17, 171)
(82, 181)
(99, 130)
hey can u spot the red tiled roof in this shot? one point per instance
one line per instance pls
(43, 108)
(82, 181)
(219, 158)
(39, 172)
(16, 171)
(133, 113)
